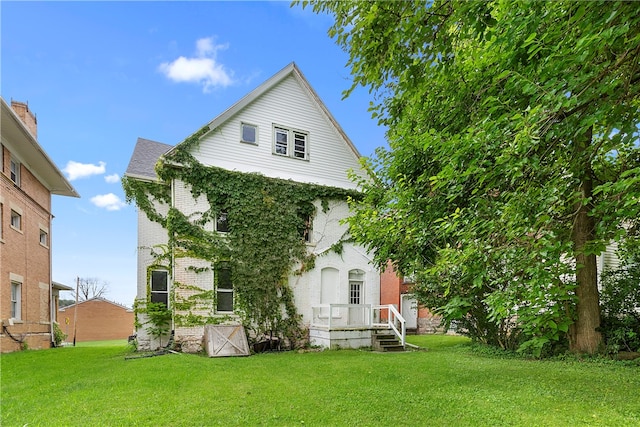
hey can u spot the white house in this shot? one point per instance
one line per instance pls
(279, 130)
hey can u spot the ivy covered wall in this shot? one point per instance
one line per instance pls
(264, 245)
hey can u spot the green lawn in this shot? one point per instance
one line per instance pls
(449, 385)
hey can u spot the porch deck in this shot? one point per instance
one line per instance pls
(353, 325)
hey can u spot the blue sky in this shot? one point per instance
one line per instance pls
(98, 75)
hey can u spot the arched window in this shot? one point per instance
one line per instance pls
(329, 280)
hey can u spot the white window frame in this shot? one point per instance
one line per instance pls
(16, 220)
(289, 147)
(44, 237)
(255, 130)
(220, 290)
(153, 292)
(14, 170)
(16, 300)
(356, 286)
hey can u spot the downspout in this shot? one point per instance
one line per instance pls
(52, 314)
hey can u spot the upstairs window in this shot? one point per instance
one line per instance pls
(304, 227)
(16, 220)
(224, 290)
(160, 287)
(222, 222)
(290, 143)
(249, 133)
(15, 171)
(44, 238)
(281, 141)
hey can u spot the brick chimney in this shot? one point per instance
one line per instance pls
(27, 117)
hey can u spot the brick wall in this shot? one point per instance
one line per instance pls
(23, 258)
(97, 320)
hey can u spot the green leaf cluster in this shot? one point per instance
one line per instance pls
(513, 155)
(264, 245)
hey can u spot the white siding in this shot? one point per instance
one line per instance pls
(289, 105)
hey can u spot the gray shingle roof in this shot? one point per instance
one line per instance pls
(145, 155)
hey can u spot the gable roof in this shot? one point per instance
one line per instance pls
(291, 69)
(22, 143)
(143, 160)
(97, 299)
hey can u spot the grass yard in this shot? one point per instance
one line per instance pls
(449, 385)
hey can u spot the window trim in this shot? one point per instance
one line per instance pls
(16, 214)
(159, 292)
(218, 289)
(356, 286)
(45, 233)
(15, 308)
(14, 175)
(255, 129)
(292, 135)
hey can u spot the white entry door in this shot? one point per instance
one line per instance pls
(409, 310)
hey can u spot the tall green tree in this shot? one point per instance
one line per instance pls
(513, 154)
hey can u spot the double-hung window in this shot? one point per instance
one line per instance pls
(44, 237)
(16, 297)
(16, 220)
(224, 289)
(160, 287)
(290, 143)
(15, 171)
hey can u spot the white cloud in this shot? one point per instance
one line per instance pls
(110, 202)
(75, 170)
(203, 68)
(112, 179)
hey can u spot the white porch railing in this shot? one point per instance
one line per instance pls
(389, 316)
(359, 316)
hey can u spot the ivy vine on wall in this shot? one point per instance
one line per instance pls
(266, 219)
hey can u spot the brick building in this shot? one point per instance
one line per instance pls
(97, 319)
(28, 178)
(396, 290)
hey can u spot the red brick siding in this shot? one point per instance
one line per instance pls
(97, 320)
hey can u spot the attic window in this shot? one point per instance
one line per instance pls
(249, 133)
(290, 143)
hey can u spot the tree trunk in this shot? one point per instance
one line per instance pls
(585, 337)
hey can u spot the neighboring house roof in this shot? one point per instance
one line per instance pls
(291, 69)
(25, 147)
(60, 287)
(98, 299)
(144, 158)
